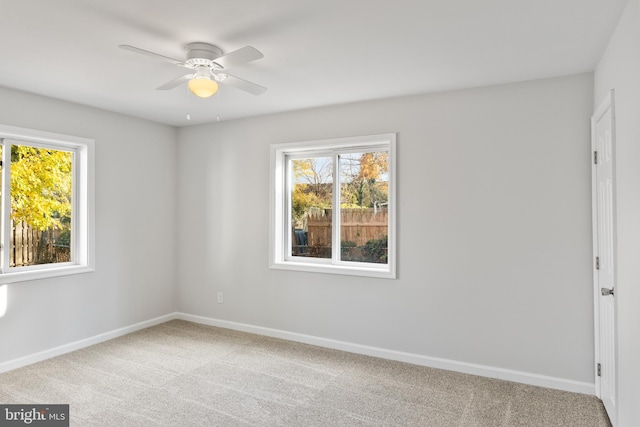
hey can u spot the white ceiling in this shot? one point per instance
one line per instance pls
(316, 52)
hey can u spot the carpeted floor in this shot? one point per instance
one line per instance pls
(184, 374)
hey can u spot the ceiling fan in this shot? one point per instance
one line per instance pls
(208, 68)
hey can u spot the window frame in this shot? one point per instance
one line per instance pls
(280, 216)
(83, 212)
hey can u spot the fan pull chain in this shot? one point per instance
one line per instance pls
(218, 102)
(188, 103)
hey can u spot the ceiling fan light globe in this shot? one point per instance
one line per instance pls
(203, 87)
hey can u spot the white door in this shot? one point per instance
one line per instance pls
(604, 241)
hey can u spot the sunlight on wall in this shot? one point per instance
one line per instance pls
(3, 300)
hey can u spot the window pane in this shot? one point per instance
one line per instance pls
(364, 195)
(40, 186)
(311, 206)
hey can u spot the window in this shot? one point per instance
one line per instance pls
(46, 199)
(333, 206)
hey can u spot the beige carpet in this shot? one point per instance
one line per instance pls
(184, 374)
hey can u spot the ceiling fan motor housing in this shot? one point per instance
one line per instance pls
(199, 54)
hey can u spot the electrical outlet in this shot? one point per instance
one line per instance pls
(220, 298)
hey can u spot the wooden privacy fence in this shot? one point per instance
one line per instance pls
(356, 225)
(30, 246)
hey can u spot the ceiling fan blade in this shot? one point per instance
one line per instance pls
(175, 82)
(150, 54)
(239, 57)
(242, 84)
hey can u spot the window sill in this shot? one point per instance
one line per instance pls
(21, 276)
(383, 273)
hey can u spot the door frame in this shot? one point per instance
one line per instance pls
(606, 104)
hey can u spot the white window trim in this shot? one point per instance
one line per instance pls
(83, 204)
(278, 239)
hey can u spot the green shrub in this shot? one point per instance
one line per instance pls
(375, 250)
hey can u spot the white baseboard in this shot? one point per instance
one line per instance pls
(77, 345)
(416, 359)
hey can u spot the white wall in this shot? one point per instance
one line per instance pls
(619, 69)
(135, 231)
(494, 231)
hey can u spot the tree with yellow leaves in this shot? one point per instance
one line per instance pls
(361, 176)
(41, 181)
(311, 188)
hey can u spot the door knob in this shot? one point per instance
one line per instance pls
(605, 291)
